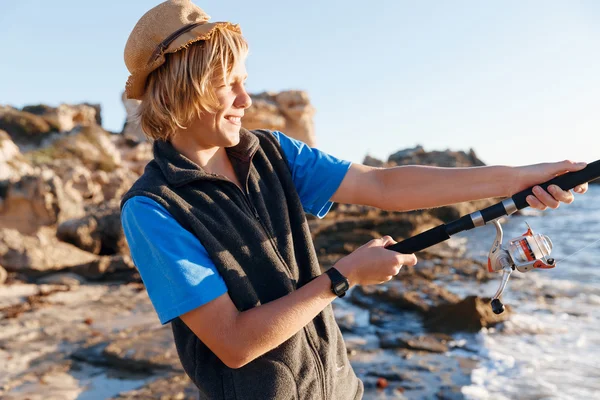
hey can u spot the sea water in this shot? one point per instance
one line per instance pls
(550, 347)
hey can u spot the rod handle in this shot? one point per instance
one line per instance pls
(566, 182)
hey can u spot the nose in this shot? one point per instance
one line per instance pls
(243, 99)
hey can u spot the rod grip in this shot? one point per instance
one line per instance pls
(421, 241)
(565, 182)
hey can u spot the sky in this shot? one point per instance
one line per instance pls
(517, 81)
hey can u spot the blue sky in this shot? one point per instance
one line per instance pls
(518, 81)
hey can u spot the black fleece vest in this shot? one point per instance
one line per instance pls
(261, 245)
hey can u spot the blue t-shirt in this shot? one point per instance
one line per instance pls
(174, 266)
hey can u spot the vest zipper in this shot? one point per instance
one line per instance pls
(253, 210)
(318, 362)
(266, 231)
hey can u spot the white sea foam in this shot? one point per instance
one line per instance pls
(549, 348)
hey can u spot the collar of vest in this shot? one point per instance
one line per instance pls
(180, 170)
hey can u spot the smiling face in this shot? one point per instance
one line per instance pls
(197, 96)
(222, 127)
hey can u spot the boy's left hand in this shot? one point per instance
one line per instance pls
(530, 175)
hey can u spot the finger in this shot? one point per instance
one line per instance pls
(380, 242)
(561, 195)
(397, 270)
(387, 240)
(535, 203)
(406, 259)
(412, 261)
(581, 189)
(545, 197)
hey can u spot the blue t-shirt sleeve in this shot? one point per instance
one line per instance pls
(316, 175)
(176, 269)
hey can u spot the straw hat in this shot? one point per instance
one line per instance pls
(166, 28)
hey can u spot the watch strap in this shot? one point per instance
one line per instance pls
(339, 283)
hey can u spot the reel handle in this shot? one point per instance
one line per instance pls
(497, 306)
(566, 182)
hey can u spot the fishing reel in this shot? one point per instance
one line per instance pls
(524, 253)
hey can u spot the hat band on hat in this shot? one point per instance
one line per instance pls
(167, 42)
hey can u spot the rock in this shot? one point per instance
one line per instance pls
(40, 254)
(43, 254)
(99, 232)
(104, 268)
(65, 117)
(115, 183)
(135, 154)
(447, 265)
(32, 302)
(346, 323)
(174, 386)
(66, 278)
(137, 350)
(470, 315)
(58, 323)
(80, 179)
(418, 156)
(382, 383)
(419, 343)
(264, 113)
(372, 162)
(3, 275)
(37, 200)
(145, 351)
(98, 109)
(80, 232)
(298, 113)
(95, 187)
(25, 129)
(92, 353)
(345, 242)
(453, 392)
(391, 373)
(288, 111)
(344, 235)
(414, 294)
(406, 153)
(12, 163)
(91, 145)
(132, 128)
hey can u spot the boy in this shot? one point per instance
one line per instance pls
(217, 227)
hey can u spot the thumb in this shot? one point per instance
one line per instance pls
(387, 241)
(570, 166)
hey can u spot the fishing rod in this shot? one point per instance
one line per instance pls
(525, 253)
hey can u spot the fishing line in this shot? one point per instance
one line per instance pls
(583, 248)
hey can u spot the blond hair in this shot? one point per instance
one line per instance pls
(183, 87)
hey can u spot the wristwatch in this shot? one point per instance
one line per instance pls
(339, 283)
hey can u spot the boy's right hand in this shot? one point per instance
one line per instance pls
(372, 263)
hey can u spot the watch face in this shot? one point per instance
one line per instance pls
(341, 287)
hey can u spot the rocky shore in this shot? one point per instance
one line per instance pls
(75, 320)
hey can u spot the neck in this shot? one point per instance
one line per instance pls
(211, 159)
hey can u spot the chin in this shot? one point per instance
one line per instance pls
(233, 140)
